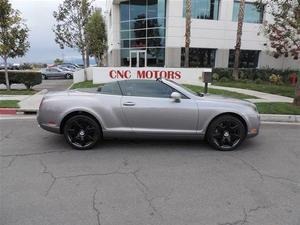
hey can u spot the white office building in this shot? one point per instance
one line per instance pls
(152, 33)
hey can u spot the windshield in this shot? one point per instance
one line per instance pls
(185, 88)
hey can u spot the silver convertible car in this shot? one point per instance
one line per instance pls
(147, 108)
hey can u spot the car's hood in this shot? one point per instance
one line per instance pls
(220, 98)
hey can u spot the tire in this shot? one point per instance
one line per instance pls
(69, 76)
(82, 132)
(226, 133)
(44, 77)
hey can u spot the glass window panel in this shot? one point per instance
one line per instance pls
(199, 57)
(146, 88)
(137, 9)
(203, 9)
(252, 13)
(158, 22)
(125, 34)
(155, 57)
(160, 32)
(138, 43)
(124, 10)
(248, 58)
(125, 44)
(156, 42)
(124, 25)
(138, 34)
(111, 89)
(125, 57)
(137, 24)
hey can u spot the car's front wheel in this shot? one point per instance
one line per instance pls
(44, 77)
(82, 132)
(226, 133)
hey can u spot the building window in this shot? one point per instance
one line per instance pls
(203, 9)
(252, 13)
(248, 58)
(142, 25)
(199, 57)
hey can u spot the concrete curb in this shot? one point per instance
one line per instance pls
(280, 118)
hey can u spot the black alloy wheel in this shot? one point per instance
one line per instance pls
(82, 132)
(226, 133)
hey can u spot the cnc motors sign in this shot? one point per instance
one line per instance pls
(180, 75)
(144, 74)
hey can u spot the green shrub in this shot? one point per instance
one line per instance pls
(28, 78)
(215, 77)
(253, 74)
(258, 81)
(224, 79)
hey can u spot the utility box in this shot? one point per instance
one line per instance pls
(207, 77)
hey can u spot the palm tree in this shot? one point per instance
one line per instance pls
(235, 73)
(188, 7)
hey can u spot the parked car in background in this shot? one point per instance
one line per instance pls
(55, 72)
(147, 108)
(70, 66)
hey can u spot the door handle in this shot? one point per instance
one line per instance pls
(129, 104)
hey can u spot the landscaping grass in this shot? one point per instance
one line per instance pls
(85, 84)
(278, 108)
(283, 90)
(220, 92)
(17, 92)
(9, 104)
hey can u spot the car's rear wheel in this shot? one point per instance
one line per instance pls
(82, 132)
(226, 133)
(44, 77)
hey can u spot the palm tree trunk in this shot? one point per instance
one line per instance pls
(6, 73)
(187, 32)
(238, 40)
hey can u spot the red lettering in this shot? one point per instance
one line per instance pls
(127, 74)
(149, 74)
(163, 74)
(171, 74)
(120, 74)
(141, 74)
(177, 75)
(112, 74)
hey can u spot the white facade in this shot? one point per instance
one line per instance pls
(215, 34)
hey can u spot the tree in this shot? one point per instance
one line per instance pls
(96, 36)
(188, 7)
(58, 61)
(13, 35)
(72, 17)
(283, 31)
(238, 44)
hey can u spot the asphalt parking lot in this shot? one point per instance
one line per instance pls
(143, 182)
(50, 85)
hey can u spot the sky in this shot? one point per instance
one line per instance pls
(38, 15)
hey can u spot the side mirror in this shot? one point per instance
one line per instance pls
(176, 96)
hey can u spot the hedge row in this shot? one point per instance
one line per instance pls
(28, 78)
(253, 74)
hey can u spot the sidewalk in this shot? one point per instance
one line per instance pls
(32, 103)
(262, 97)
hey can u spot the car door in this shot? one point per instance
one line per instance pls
(150, 110)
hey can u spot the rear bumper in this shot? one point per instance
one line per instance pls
(53, 129)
